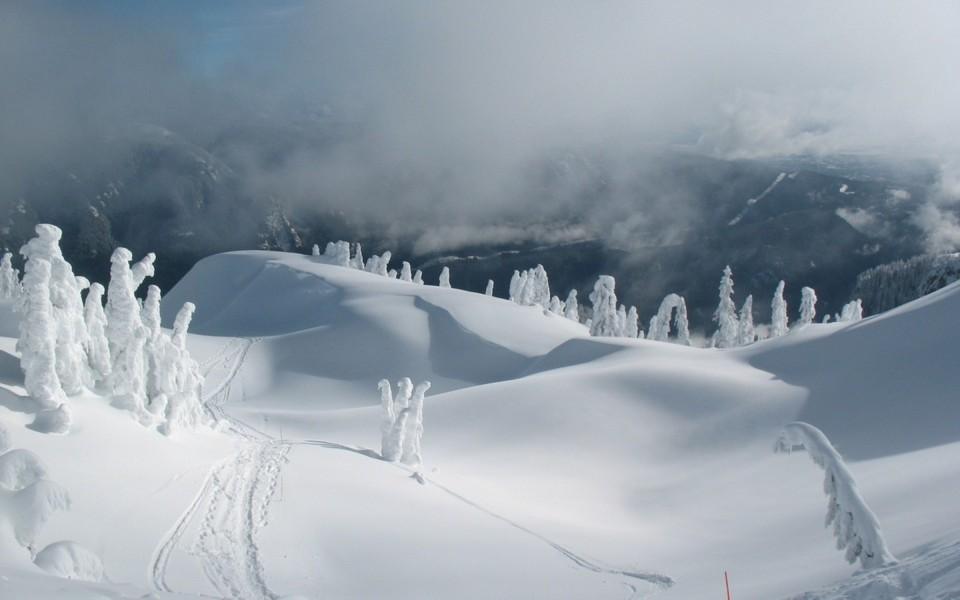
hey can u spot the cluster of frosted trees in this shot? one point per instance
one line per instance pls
(612, 320)
(339, 253)
(854, 525)
(401, 425)
(532, 288)
(737, 329)
(68, 345)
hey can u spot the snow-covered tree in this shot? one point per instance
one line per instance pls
(123, 315)
(852, 311)
(395, 416)
(181, 404)
(556, 306)
(444, 277)
(632, 328)
(854, 525)
(392, 274)
(143, 268)
(604, 301)
(405, 272)
(315, 251)
(808, 305)
(571, 308)
(746, 333)
(778, 308)
(153, 346)
(726, 313)
(418, 277)
(515, 287)
(9, 278)
(621, 328)
(673, 305)
(412, 454)
(338, 253)
(489, 290)
(67, 307)
(383, 263)
(357, 261)
(538, 285)
(38, 336)
(98, 349)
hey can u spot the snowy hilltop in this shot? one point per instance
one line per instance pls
(335, 426)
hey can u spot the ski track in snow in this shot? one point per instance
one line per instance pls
(236, 496)
(238, 491)
(655, 579)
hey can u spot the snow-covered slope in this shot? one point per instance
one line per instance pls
(557, 465)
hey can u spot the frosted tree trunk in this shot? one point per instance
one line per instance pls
(489, 290)
(153, 345)
(405, 272)
(746, 333)
(387, 418)
(418, 277)
(444, 277)
(315, 251)
(778, 308)
(571, 308)
(726, 313)
(854, 525)
(123, 318)
(604, 300)
(384, 263)
(808, 305)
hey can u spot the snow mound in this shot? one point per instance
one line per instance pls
(70, 560)
(894, 368)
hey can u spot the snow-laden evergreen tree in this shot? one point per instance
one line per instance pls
(622, 321)
(405, 272)
(98, 349)
(315, 251)
(392, 274)
(67, 307)
(556, 306)
(383, 264)
(444, 277)
(150, 315)
(357, 261)
(675, 307)
(338, 253)
(38, 336)
(412, 454)
(418, 277)
(539, 286)
(746, 334)
(571, 308)
(181, 404)
(143, 268)
(604, 301)
(522, 289)
(515, 287)
(126, 337)
(9, 278)
(489, 290)
(633, 323)
(778, 306)
(394, 417)
(852, 311)
(808, 305)
(726, 313)
(854, 525)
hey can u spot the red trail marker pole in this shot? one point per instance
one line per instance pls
(726, 583)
